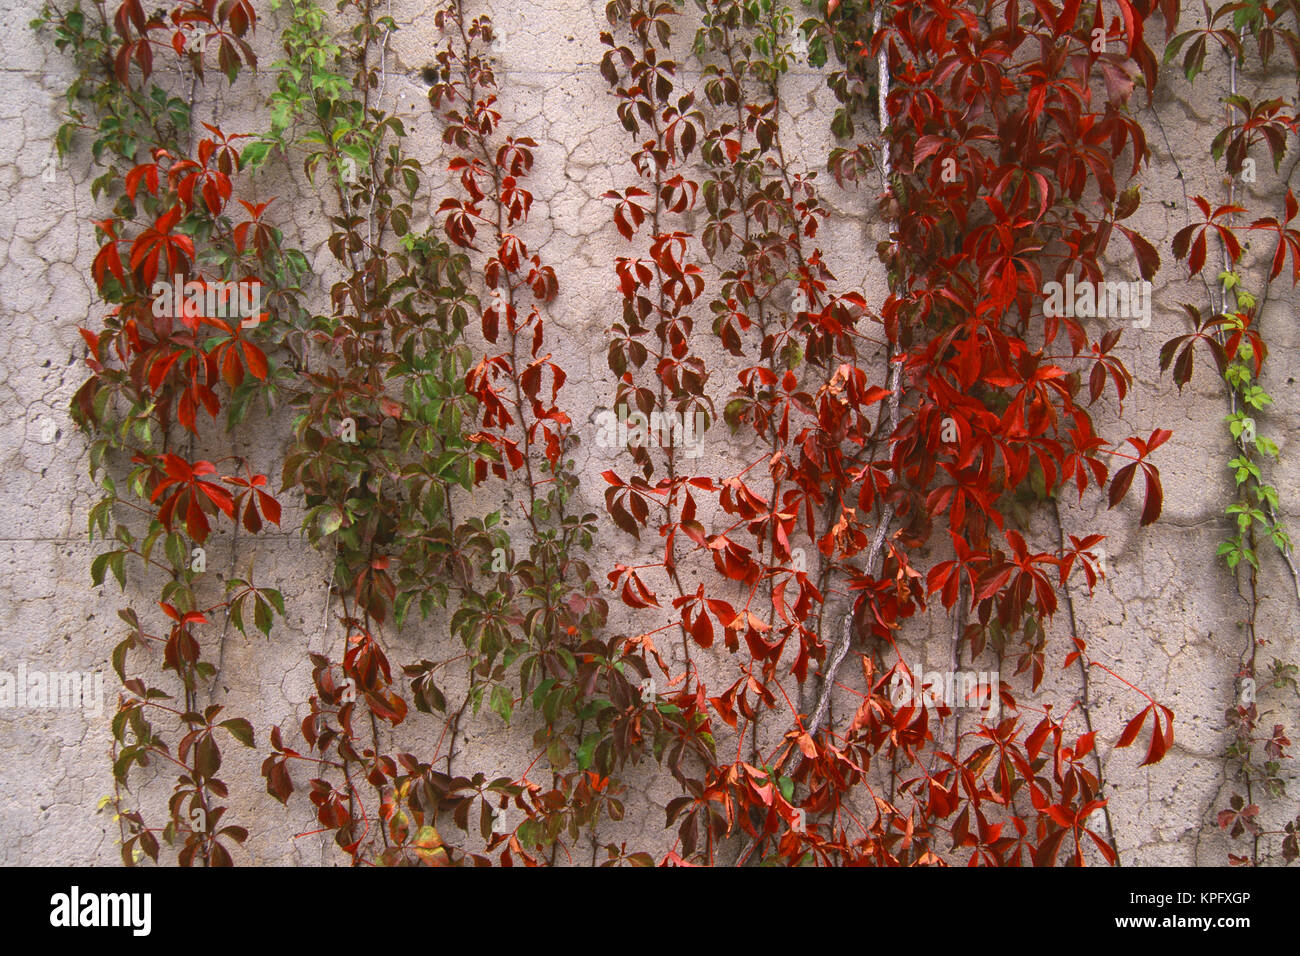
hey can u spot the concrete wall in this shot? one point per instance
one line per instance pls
(1168, 617)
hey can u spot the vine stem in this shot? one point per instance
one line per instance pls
(1085, 690)
(877, 546)
(1288, 554)
(895, 395)
(882, 91)
(841, 648)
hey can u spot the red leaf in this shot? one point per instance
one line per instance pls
(1120, 483)
(1134, 726)
(255, 359)
(1155, 495)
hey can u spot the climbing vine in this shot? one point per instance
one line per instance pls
(188, 287)
(971, 416)
(1232, 335)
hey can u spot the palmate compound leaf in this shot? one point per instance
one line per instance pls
(1162, 738)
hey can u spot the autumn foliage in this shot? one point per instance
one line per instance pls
(900, 455)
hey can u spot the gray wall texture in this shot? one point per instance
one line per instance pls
(1168, 617)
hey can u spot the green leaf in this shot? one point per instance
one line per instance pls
(587, 750)
(401, 606)
(176, 551)
(502, 701)
(329, 522)
(99, 567)
(557, 752)
(787, 788)
(237, 614)
(116, 562)
(262, 615)
(240, 729)
(276, 598)
(254, 155)
(358, 152)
